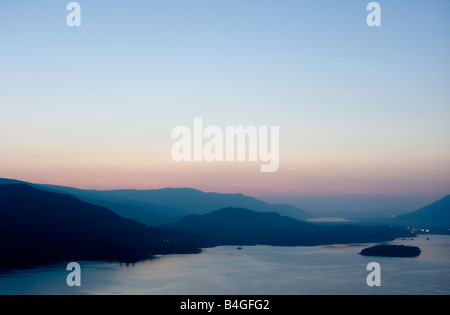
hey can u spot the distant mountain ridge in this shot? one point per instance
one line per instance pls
(436, 214)
(168, 205)
(162, 206)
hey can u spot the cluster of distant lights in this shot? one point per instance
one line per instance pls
(418, 230)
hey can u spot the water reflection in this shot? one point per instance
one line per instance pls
(336, 269)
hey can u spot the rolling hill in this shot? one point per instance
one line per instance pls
(237, 226)
(38, 227)
(162, 206)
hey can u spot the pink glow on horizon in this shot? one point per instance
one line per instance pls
(240, 178)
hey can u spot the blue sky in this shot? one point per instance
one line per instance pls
(360, 109)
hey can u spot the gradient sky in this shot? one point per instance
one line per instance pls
(362, 111)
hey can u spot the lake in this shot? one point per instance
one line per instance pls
(258, 270)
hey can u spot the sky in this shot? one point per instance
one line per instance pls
(362, 111)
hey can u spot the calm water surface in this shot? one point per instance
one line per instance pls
(336, 269)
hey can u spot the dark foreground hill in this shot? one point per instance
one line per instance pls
(237, 226)
(38, 227)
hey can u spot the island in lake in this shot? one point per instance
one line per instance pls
(391, 251)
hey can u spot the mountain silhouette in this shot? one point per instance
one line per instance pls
(162, 206)
(39, 227)
(237, 226)
(436, 214)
